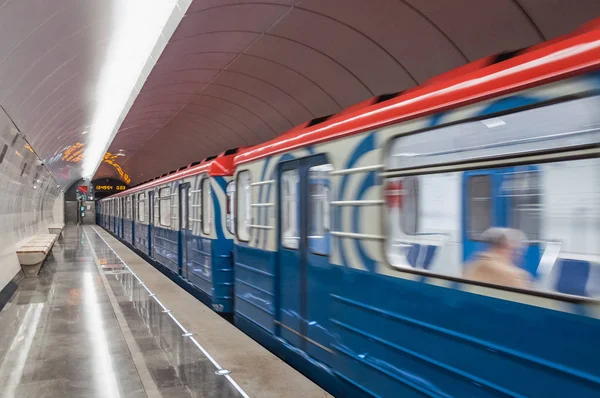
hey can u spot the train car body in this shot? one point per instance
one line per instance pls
(353, 235)
(182, 222)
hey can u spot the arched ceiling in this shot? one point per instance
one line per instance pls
(236, 73)
(52, 57)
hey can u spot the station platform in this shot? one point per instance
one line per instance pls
(99, 321)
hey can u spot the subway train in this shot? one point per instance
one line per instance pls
(343, 244)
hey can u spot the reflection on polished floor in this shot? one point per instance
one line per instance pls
(65, 334)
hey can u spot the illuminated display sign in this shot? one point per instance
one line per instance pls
(112, 160)
(106, 188)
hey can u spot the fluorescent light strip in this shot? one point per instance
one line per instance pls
(139, 25)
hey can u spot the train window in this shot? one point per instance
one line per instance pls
(243, 219)
(488, 213)
(410, 205)
(141, 207)
(290, 209)
(522, 190)
(206, 206)
(164, 207)
(128, 208)
(184, 209)
(3, 153)
(230, 205)
(479, 211)
(547, 129)
(319, 208)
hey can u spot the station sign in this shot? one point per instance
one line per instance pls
(110, 188)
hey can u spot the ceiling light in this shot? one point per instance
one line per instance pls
(138, 25)
(84, 133)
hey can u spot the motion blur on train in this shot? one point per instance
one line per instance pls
(442, 241)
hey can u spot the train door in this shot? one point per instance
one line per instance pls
(150, 222)
(504, 197)
(113, 216)
(302, 260)
(184, 206)
(133, 204)
(123, 216)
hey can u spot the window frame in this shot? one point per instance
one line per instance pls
(237, 225)
(472, 165)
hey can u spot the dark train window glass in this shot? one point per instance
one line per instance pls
(3, 153)
(480, 205)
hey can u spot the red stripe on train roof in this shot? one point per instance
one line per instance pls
(573, 55)
(218, 167)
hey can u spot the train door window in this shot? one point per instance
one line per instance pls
(230, 205)
(184, 203)
(141, 207)
(410, 205)
(243, 220)
(522, 188)
(319, 208)
(479, 215)
(128, 208)
(132, 207)
(164, 207)
(206, 206)
(290, 209)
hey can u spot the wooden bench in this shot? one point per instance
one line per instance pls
(56, 228)
(32, 252)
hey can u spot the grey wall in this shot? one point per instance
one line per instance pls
(72, 212)
(71, 192)
(29, 197)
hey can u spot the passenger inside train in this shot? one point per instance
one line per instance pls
(496, 265)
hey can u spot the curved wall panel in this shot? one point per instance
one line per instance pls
(30, 198)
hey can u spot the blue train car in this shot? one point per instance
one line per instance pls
(357, 236)
(183, 223)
